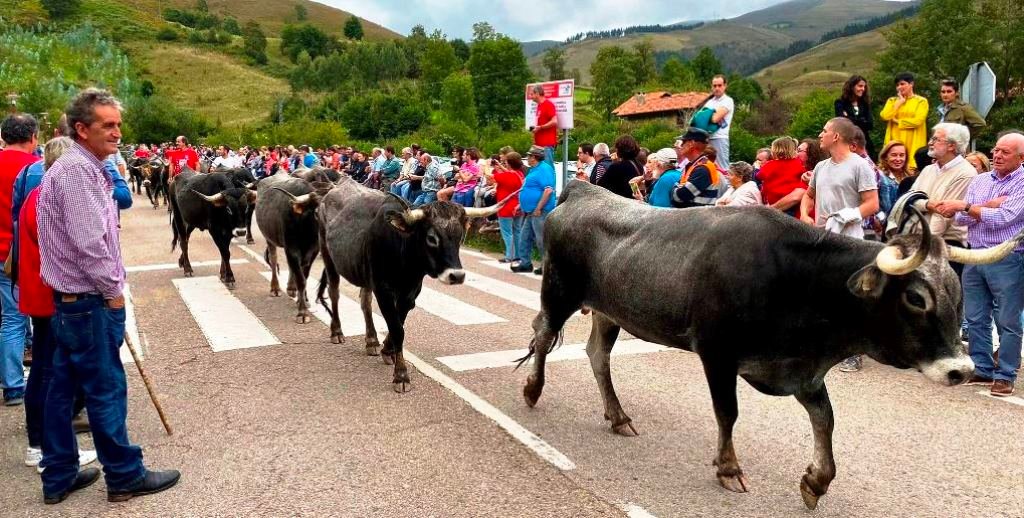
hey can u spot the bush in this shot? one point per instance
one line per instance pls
(167, 34)
(381, 116)
(743, 145)
(812, 114)
(158, 119)
(196, 37)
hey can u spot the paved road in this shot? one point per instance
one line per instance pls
(271, 418)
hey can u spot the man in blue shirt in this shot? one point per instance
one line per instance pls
(309, 159)
(536, 199)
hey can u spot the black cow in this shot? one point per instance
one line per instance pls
(317, 174)
(378, 243)
(286, 216)
(243, 178)
(135, 175)
(208, 202)
(155, 174)
(753, 292)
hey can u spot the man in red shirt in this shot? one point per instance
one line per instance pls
(545, 133)
(182, 155)
(142, 152)
(20, 132)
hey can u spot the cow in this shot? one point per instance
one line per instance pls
(155, 173)
(208, 202)
(135, 176)
(378, 243)
(286, 216)
(243, 178)
(754, 293)
(317, 174)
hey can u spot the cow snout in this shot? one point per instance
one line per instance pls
(239, 232)
(949, 371)
(452, 276)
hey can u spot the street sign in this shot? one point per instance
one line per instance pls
(979, 89)
(560, 93)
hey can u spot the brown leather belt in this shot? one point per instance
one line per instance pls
(74, 297)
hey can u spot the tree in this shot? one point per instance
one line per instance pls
(499, 72)
(254, 43)
(354, 28)
(457, 103)
(613, 74)
(61, 8)
(770, 116)
(301, 14)
(461, 49)
(438, 62)
(296, 38)
(202, 7)
(678, 75)
(812, 114)
(554, 61)
(483, 31)
(645, 69)
(706, 65)
(414, 46)
(231, 25)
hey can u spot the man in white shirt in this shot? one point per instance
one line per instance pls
(225, 160)
(724, 108)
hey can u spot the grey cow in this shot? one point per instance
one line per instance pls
(756, 294)
(286, 216)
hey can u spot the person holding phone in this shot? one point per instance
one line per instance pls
(906, 117)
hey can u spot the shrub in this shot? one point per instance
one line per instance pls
(812, 114)
(167, 34)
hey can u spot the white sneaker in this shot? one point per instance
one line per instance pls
(33, 456)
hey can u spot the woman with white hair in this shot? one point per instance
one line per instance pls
(666, 176)
(743, 190)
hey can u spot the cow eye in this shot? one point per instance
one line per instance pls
(915, 299)
(432, 240)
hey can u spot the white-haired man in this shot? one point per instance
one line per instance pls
(602, 161)
(947, 179)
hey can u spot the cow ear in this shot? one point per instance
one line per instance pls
(397, 220)
(868, 282)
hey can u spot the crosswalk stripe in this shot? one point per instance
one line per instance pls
(174, 266)
(510, 292)
(224, 320)
(495, 359)
(350, 313)
(505, 267)
(453, 309)
(131, 326)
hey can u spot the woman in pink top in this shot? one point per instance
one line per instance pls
(466, 180)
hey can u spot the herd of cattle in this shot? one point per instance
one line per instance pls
(755, 293)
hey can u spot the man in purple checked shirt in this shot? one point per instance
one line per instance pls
(80, 257)
(993, 211)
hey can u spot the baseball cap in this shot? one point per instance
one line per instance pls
(536, 151)
(695, 135)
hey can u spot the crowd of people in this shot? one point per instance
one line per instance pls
(63, 275)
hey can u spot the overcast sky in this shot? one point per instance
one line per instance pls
(527, 20)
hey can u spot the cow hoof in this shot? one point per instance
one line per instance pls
(388, 359)
(401, 387)
(625, 429)
(735, 483)
(337, 339)
(188, 273)
(229, 285)
(810, 499)
(275, 293)
(371, 350)
(292, 292)
(303, 319)
(531, 392)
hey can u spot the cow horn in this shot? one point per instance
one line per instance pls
(216, 198)
(891, 261)
(485, 212)
(985, 255)
(413, 215)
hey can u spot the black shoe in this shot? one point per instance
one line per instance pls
(504, 260)
(80, 424)
(84, 479)
(538, 271)
(521, 268)
(153, 482)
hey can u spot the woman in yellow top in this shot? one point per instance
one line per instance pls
(906, 115)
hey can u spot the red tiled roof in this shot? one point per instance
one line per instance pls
(660, 101)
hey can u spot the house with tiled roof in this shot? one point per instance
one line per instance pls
(661, 105)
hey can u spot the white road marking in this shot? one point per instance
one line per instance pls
(510, 292)
(254, 254)
(505, 267)
(350, 313)
(131, 326)
(174, 266)
(495, 359)
(453, 309)
(223, 319)
(1013, 400)
(635, 511)
(529, 439)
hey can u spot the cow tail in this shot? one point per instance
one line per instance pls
(533, 348)
(320, 289)
(173, 217)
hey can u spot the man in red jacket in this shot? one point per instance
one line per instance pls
(20, 132)
(545, 133)
(182, 155)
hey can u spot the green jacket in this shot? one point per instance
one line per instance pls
(960, 112)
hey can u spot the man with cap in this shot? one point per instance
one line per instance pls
(536, 199)
(698, 184)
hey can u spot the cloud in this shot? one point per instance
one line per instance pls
(539, 19)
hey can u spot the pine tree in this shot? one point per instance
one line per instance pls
(354, 28)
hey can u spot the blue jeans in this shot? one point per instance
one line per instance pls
(986, 286)
(549, 154)
(424, 198)
(39, 381)
(464, 198)
(396, 188)
(532, 233)
(88, 335)
(12, 341)
(511, 230)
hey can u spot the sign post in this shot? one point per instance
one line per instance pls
(979, 89)
(560, 93)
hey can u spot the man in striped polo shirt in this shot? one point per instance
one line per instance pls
(993, 211)
(80, 258)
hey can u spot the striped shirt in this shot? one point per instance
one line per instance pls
(996, 225)
(79, 238)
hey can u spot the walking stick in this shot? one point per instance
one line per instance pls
(149, 387)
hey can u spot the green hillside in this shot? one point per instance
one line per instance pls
(826, 66)
(742, 40)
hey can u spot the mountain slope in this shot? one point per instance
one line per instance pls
(740, 41)
(825, 66)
